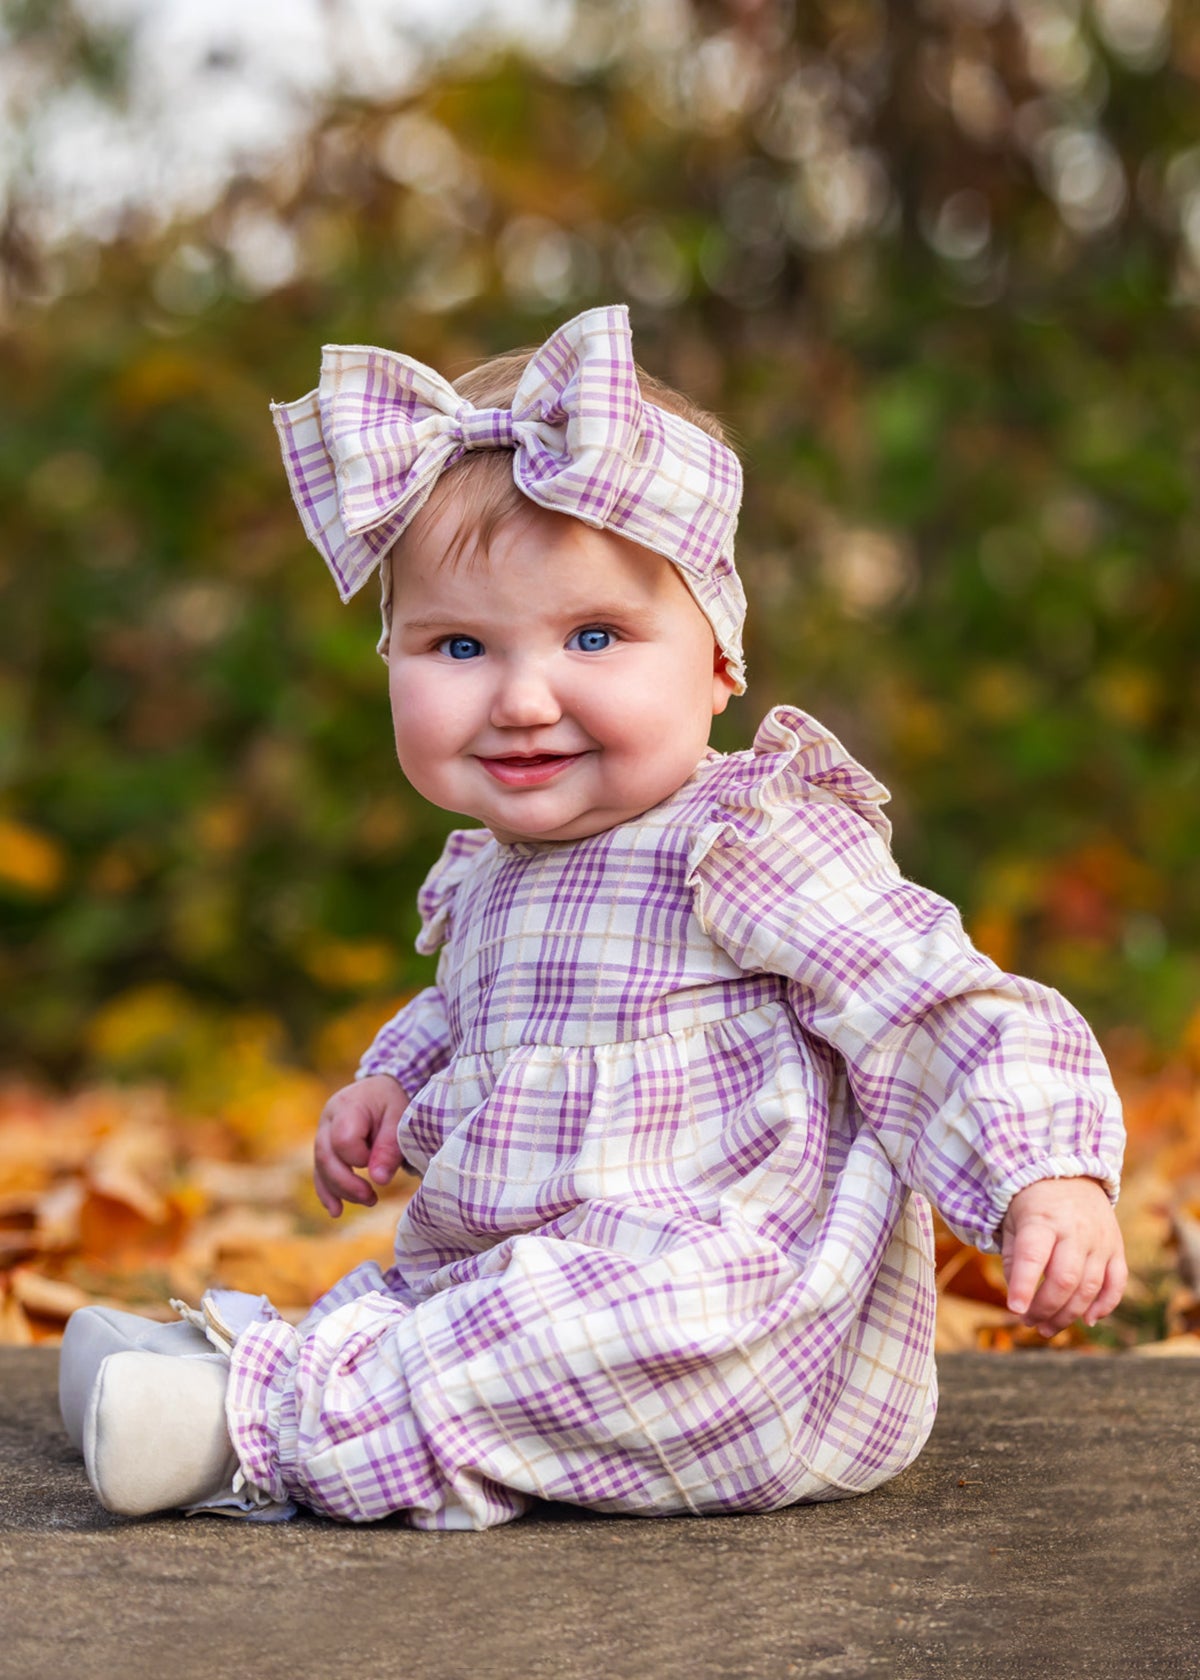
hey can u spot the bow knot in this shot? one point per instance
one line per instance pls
(486, 428)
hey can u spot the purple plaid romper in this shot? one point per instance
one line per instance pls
(678, 1099)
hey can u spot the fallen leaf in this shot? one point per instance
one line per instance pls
(112, 1230)
(1175, 1347)
(46, 1297)
(959, 1323)
(58, 1214)
(15, 1330)
(294, 1271)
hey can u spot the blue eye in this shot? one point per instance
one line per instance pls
(461, 647)
(591, 640)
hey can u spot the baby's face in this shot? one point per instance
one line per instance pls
(552, 687)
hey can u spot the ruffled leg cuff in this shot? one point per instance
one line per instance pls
(260, 1403)
(331, 1420)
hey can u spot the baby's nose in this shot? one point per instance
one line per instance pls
(525, 697)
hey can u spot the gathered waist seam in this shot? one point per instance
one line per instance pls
(675, 1031)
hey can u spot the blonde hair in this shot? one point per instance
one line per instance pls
(482, 480)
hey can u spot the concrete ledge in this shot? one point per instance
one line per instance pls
(1051, 1529)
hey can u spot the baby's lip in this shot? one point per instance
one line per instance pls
(526, 769)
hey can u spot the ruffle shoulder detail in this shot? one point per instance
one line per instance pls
(794, 761)
(810, 763)
(435, 901)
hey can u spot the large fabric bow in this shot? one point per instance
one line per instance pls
(364, 450)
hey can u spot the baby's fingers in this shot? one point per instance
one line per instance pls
(1063, 1254)
(1070, 1286)
(340, 1147)
(336, 1183)
(325, 1195)
(385, 1155)
(1115, 1278)
(1031, 1250)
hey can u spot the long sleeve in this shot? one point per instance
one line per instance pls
(976, 1082)
(417, 1043)
(413, 1045)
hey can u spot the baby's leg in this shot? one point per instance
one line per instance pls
(619, 1382)
(328, 1419)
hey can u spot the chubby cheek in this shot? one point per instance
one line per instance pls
(654, 750)
(422, 728)
(402, 710)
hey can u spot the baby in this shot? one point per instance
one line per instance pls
(697, 1058)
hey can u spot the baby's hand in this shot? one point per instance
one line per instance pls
(357, 1128)
(1063, 1232)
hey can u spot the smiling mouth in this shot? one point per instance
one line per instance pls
(528, 769)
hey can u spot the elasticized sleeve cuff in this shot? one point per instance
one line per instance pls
(979, 1224)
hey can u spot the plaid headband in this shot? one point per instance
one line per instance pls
(364, 450)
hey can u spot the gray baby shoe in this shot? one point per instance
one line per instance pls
(154, 1436)
(145, 1403)
(93, 1333)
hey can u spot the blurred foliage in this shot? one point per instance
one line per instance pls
(938, 266)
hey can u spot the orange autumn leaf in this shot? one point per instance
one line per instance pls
(961, 1323)
(294, 1271)
(45, 1297)
(113, 1231)
(15, 1329)
(58, 1215)
(964, 1272)
(116, 1180)
(25, 1170)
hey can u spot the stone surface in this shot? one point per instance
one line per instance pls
(1051, 1528)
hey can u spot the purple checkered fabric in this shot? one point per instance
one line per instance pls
(679, 1096)
(364, 450)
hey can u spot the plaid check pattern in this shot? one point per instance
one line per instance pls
(363, 451)
(679, 1097)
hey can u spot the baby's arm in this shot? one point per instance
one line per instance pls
(357, 1128)
(1063, 1254)
(358, 1124)
(978, 1084)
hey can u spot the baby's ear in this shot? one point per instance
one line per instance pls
(723, 684)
